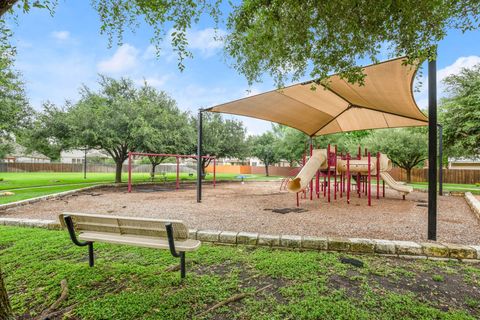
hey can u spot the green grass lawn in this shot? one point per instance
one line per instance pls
(133, 283)
(450, 187)
(33, 184)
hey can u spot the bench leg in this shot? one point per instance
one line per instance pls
(182, 265)
(90, 254)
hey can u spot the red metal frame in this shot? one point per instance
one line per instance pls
(177, 157)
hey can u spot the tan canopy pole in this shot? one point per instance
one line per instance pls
(384, 101)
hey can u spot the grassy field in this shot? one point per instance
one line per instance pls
(133, 283)
(450, 187)
(33, 184)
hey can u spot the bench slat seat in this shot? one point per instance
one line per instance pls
(135, 231)
(140, 241)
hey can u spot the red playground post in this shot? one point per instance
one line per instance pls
(178, 171)
(328, 171)
(378, 175)
(311, 181)
(348, 178)
(129, 171)
(369, 181)
(214, 172)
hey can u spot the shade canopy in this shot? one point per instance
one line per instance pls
(384, 101)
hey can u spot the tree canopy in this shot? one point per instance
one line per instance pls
(460, 113)
(406, 147)
(263, 147)
(290, 38)
(222, 137)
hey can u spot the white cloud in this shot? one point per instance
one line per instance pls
(60, 35)
(208, 41)
(124, 59)
(455, 68)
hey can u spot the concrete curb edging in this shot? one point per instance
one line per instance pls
(474, 203)
(405, 249)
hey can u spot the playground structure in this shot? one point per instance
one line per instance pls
(340, 169)
(177, 160)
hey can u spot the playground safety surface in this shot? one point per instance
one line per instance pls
(255, 207)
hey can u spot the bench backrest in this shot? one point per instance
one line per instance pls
(125, 225)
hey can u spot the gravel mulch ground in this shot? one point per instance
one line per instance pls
(248, 207)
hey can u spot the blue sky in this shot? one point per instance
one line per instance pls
(56, 55)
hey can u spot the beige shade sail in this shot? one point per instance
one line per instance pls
(384, 101)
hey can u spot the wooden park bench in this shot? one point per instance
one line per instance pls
(134, 231)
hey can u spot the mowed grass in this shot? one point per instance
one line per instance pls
(34, 184)
(450, 187)
(133, 283)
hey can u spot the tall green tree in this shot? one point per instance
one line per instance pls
(164, 128)
(263, 147)
(49, 132)
(289, 144)
(14, 115)
(406, 147)
(222, 137)
(460, 113)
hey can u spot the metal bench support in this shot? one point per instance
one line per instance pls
(73, 236)
(171, 244)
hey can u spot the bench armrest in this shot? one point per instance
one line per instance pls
(171, 241)
(71, 231)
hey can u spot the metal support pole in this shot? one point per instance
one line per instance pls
(199, 155)
(129, 172)
(432, 150)
(335, 175)
(440, 159)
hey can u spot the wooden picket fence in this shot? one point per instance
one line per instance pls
(463, 176)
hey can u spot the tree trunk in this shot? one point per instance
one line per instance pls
(118, 171)
(152, 172)
(266, 169)
(409, 175)
(5, 308)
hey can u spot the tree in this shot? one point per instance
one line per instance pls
(287, 38)
(14, 115)
(263, 147)
(49, 133)
(222, 137)
(406, 147)
(289, 143)
(109, 120)
(165, 128)
(15, 112)
(460, 113)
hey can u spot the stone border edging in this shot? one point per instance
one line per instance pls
(474, 203)
(398, 248)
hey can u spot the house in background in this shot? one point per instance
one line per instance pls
(464, 163)
(20, 155)
(78, 156)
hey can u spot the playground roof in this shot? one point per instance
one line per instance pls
(384, 101)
